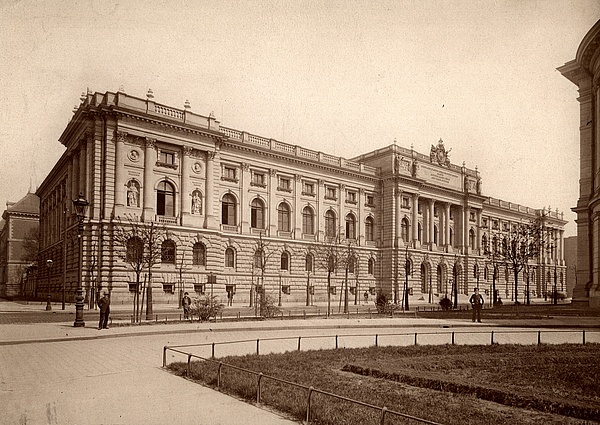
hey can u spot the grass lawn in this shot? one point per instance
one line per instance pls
(499, 384)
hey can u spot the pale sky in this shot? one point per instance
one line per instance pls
(341, 77)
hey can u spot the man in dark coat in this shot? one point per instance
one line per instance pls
(186, 302)
(476, 301)
(104, 304)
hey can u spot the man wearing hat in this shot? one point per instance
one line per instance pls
(104, 304)
(186, 302)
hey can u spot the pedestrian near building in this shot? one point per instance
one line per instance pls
(366, 297)
(104, 304)
(476, 301)
(186, 302)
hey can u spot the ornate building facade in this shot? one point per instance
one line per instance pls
(584, 71)
(220, 192)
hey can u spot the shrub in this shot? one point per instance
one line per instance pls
(268, 307)
(445, 303)
(206, 307)
(384, 305)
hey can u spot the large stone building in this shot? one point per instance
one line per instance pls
(584, 71)
(18, 245)
(221, 191)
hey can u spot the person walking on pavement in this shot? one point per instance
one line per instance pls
(476, 301)
(366, 297)
(186, 302)
(104, 304)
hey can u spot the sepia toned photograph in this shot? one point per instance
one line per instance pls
(300, 212)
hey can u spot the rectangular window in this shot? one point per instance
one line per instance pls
(351, 197)
(471, 216)
(167, 157)
(168, 288)
(308, 188)
(405, 202)
(258, 179)
(229, 173)
(330, 193)
(370, 200)
(285, 184)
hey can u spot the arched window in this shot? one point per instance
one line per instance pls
(350, 227)
(135, 250)
(451, 237)
(420, 230)
(484, 244)
(371, 266)
(258, 259)
(440, 280)
(472, 239)
(435, 234)
(405, 230)
(229, 257)
(285, 261)
(167, 252)
(308, 263)
(330, 224)
(495, 244)
(165, 199)
(351, 264)
(283, 217)
(369, 229)
(308, 221)
(199, 254)
(424, 279)
(257, 214)
(228, 209)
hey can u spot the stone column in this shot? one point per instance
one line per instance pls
(210, 222)
(245, 199)
(430, 222)
(341, 206)
(297, 207)
(150, 156)
(447, 224)
(272, 207)
(465, 232)
(562, 247)
(120, 169)
(186, 191)
(75, 173)
(415, 220)
(320, 213)
(361, 217)
(398, 215)
(478, 243)
(89, 152)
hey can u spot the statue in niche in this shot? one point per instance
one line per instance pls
(415, 167)
(133, 194)
(479, 186)
(196, 202)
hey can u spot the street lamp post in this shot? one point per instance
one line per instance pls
(48, 266)
(80, 205)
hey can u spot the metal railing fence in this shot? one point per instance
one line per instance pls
(451, 337)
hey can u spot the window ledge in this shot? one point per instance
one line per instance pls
(229, 179)
(263, 185)
(166, 165)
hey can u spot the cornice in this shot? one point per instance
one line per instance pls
(296, 160)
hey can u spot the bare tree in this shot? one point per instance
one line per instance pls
(262, 253)
(523, 244)
(141, 250)
(333, 256)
